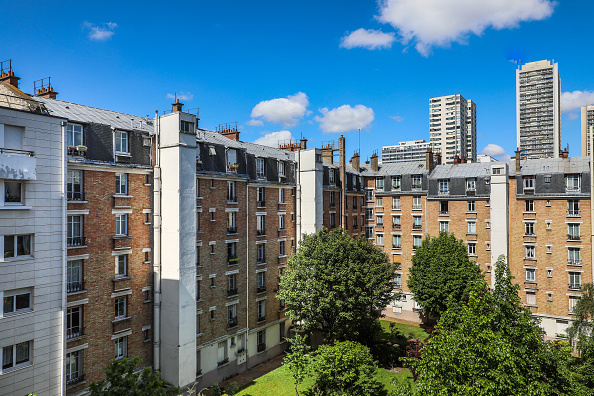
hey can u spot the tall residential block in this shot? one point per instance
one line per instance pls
(411, 150)
(452, 127)
(587, 128)
(538, 111)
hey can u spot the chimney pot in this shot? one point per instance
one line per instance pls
(429, 164)
(177, 106)
(374, 162)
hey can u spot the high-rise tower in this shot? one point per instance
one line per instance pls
(587, 128)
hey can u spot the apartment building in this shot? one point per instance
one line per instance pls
(452, 127)
(32, 225)
(411, 150)
(587, 126)
(538, 109)
(108, 240)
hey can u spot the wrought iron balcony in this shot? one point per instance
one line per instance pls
(232, 322)
(575, 286)
(573, 213)
(231, 292)
(75, 380)
(75, 286)
(261, 347)
(261, 289)
(396, 226)
(75, 196)
(74, 332)
(76, 241)
(573, 237)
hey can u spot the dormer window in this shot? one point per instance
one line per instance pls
(572, 183)
(444, 187)
(471, 184)
(74, 135)
(232, 164)
(281, 169)
(332, 178)
(529, 182)
(121, 143)
(416, 182)
(497, 171)
(187, 127)
(260, 168)
(379, 183)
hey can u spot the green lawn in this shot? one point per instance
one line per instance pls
(414, 331)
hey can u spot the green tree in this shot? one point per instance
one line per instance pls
(490, 345)
(441, 268)
(298, 360)
(346, 369)
(337, 284)
(582, 330)
(122, 379)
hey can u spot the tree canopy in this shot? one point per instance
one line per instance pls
(582, 330)
(338, 285)
(440, 269)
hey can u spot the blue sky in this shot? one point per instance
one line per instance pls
(317, 68)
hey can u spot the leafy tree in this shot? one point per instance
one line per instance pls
(441, 268)
(337, 284)
(346, 369)
(491, 345)
(123, 380)
(582, 330)
(298, 360)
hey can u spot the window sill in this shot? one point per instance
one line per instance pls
(263, 263)
(147, 340)
(76, 201)
(76, 247)
(21, 367)
(20, 258)
(147, 301)
(122, 154)
(80, 337)
(13, 314)
(120, 320)
(145, 223)
(122, 196)
(15, 207)
(122, 237)
(74, 293)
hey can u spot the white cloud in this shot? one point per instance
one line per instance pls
(271, 139)
(100, 33)
(370, 39)
(397, 118)
(181, 96)
(345, 118)
(429, 23)
(496, 151)
(255, 122)
(285, 111)
(571, 101)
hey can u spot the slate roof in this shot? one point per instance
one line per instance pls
(474, 169)
(258, 150)
(551, 165)
(396, 168)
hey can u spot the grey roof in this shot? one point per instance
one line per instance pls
(396, 168)
(474, 169)
(551, 165)
(258, 150)
(87, 114)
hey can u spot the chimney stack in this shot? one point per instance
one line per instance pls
(303, 144)
(518, 158)
(47, 92)
(456, 159)
(231, 133)
(565, 154)
(429, 164)
(7, 75)
(438, 158)
(328, 153)
(374, 162)
(463, 160)
(177, 106)
(356, 161)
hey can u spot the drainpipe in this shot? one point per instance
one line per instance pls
(247, 270)
(591, 207)
(157, 247)
(64, 301)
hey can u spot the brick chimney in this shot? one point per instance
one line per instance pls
(456, 159)
(374, 162)
(303, 144)
(463, 160)
(177, 106)
(47, 92)
(437, 158)
(518, 159)
(429, 164)
(565, 154)
(328, 153)
(8, 77)
(356, 161)
(231, 133)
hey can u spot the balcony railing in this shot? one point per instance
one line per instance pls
(231, 198)
(261, 347)
(396, 226)
(222, 362)
(75, 196)
(260, 232)
(231, 292)
(444, 213)
(75, 286)
(78, 151)
(575, 286)
(261, 289)
(74, 332)
(232, 260)
(417, 207)
(573, 213)
(231, 230)
(417, 227)
(572, 189)
(76, 241)
(261, 204)
(26, 153)
(573, 237)
(577, 262)
(261, 318)
(75, 380)
(395, 246)
(443, 192)
(232, 322)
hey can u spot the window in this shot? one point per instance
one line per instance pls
(260, 223)
(355, 223)
(417, 241)
(332, 177)
(396, 242)
(530, 275)
(121, 265)
(472, 249)
(13, 192)
(231, 197)
(574, 256)
(443, 186)
(575, 280)
(396, 203)
(379, 202)
(417, 222)
(232, 164)
(573, 300)
(444, 226)
(443, 207)
(529, 228)
(121, 142)
(573, 232)
(281, 248)
(369, 214)
(417, 182)
(379, 183)
(332, 202)
(186, 126)
(368, 196)
(16, 301)
(261, 192)
(573, 207)
(417, 202)
(15, 356)
(497, 171)
(368, 232)
(380, 239)
(529, 205)
(282, 332)
(281, 195)
(471, 227)
(261, 310)
(398, 281)
(120, 347)
(261, 276)
(120, 307)
(396, 180)
(572, 183)
(528, 182)
(530, 298)
(74, 276)
(122, 224)
(198, 296)
(260, 168)
(73, 322)
(379, 221)
(17, 245)
(74, 235)
(75, 135)
(198, 332)
(232, 315)
(212, 248)
(231, 227)
(395, 222)
(261, 340)
(471, 206)
(471, 184)
(73, 367)
(530, 252)
(281, 169)
(121, 183)
(231, 285)
(198, 222)
(212, 215)
(261, 257)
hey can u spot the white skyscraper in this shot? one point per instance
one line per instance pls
(538, 89)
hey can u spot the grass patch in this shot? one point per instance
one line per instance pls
(408, 330)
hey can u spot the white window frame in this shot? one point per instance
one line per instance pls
(444, 226)
(380, 239)
(471, 225)
(281, 222)
(260, 168)
(395, 203)
(15, 365)
(396, 183)
(121, 347)
(121, 183)
(15, 246)
(530, 275)
(118, 303)
(122, 142)
(472, 249)
(72, 130)
(73, 369)
(573, 183)
(14, 294)
(121, 224)
(282, 169)
(121, 259)
(396, 241)
(379, 183)
(530, 251)
(74, 176)
(471, 206)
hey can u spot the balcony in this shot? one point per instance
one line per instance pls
(444, 213)
(77, 151)
(396, 246)
(232, 168)
(417, 227)
(231, 230)
(231, 292)
(573, 213)
(75, 196)
(261, 204)
(443, 192)
(471, 191)
(573, 237)
(223, 362)
(75, 332)
(574, 286)
(232, 260)
(417, 207)
(232, 322)
(75, 380)
(231, 198)
(416, 187)
(261, 318)
(17, 164)
(574, 262)
(261, 347)
(261, 289)
(73, 241)
(396, 227)
(260, 232)
(76, 286)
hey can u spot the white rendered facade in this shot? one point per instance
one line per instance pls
(32, 239)
(538, 111)
(452, 127)
(411, 150)
(587, 128)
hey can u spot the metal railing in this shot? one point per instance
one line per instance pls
(76, 241)
(573, 213)
(232, 322)
(74, 332)
(75, 196)
(573, 237)
(75, 286)
(27, 153)
(261, 289)
(231, 292)
(76, 380)
(575, 286)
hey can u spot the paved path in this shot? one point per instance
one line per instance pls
(255, 372)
